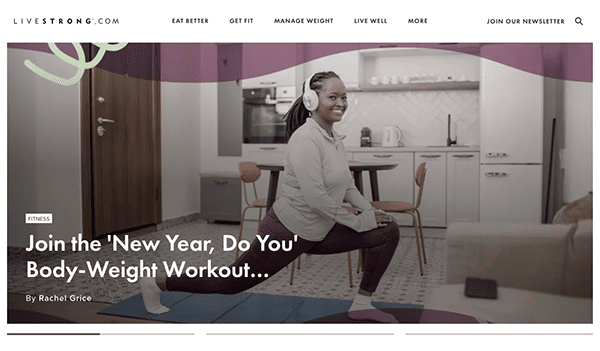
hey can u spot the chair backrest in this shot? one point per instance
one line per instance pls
(249, 173)
(420, 181)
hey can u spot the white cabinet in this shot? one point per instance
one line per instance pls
(344, 64)
(394, 185)
(433, 200)
(266, 58)
(462, 181)
(451, 191)
(263, 153)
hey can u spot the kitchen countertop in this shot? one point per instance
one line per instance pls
(441, 148)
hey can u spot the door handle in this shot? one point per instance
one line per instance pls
(463, 156)
(431, 156)
(382, 156)
(495, 154)
(100, 99)
(495, 174)
(102, 120)
(267, 148)
(101, 131)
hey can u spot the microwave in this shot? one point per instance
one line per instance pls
(264, 109)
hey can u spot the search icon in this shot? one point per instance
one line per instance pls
(578, 20)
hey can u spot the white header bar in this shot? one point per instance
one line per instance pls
(306, 21)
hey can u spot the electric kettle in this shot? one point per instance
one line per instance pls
(391, 136)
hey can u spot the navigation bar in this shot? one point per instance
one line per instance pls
(210, 26)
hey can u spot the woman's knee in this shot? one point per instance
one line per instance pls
(392, 231)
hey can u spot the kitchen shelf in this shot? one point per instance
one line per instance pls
(421, 86)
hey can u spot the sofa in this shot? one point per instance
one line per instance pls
(543, 272)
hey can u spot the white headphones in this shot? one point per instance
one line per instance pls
(310, 97)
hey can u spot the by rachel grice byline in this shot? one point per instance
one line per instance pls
(133, 271)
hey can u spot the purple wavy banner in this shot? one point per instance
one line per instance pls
(213, 62)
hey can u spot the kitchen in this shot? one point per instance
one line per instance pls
(433, 95)
(195, 137)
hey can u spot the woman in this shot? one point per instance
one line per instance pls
(316, 181)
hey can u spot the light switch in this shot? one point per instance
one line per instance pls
(562, 161)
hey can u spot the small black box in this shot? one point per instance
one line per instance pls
(482, 288)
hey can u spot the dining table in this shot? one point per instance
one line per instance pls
(357, 169)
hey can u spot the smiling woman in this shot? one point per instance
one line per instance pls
(332, 104)
(317, 181)
(317, 89)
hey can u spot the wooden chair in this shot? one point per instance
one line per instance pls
(249, 173)
(409, 208)
(351, 210)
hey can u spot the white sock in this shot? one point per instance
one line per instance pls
(151, 294)
(362, 309)
(361, 302)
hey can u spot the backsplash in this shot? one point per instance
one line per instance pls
(421, 115)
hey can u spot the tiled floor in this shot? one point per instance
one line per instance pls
(319, 276)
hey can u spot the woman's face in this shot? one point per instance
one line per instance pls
(332, 101)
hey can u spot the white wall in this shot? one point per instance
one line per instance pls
(210, 160)
(189, 139)
(577, 158)
(44, 157)
(180, 133)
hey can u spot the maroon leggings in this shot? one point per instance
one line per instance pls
(379, 245)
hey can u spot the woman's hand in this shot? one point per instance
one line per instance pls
(383, 218)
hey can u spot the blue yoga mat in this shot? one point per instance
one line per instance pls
(134, 306)
(202, 308)
(262, 308)
(239, 308)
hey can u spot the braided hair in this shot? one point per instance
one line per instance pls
(298, 114)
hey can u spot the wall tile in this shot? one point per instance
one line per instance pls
(421, 115)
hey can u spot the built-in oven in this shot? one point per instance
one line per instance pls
(264, 109)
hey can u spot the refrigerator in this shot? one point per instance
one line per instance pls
(512, 140)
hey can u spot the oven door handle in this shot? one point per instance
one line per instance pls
(260, 102)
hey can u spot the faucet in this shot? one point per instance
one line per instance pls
(449, 141)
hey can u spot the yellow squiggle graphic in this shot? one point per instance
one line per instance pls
(80, 63)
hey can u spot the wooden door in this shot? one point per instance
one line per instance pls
(125, 144)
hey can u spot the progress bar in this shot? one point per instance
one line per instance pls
(98, 334)
(429, 334)
(291, 334)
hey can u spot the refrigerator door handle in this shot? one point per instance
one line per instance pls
(495, 174)
(495, 154)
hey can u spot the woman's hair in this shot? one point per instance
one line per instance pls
(298, 114)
